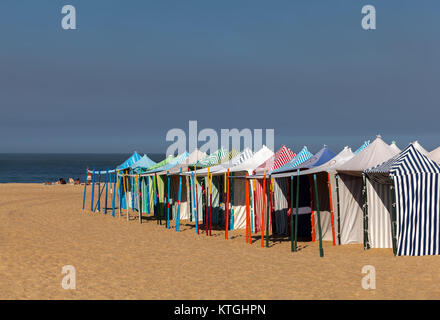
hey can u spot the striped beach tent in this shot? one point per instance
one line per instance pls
(416, 182)
(211, 159)
(143, 163)
(300, 158)
(420, 148)
(279, 159)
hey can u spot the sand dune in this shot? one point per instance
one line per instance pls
(42, 228)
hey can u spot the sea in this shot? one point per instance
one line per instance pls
(50, 167)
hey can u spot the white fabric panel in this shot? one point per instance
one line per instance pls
(379, 215)
(324, 208)
(350, 196)
(239, 204)
(326, 225)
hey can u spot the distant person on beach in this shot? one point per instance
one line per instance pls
(71, 181)
(61, 181)
(77, 181)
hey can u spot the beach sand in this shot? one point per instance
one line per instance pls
(42, 228)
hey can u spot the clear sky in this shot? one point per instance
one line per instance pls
(135, 69)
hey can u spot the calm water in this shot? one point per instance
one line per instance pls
(51, 167)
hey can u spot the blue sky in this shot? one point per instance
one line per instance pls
(135, 69)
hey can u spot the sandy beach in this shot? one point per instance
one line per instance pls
(42, 228)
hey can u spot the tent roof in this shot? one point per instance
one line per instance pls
(410, 160)
(174, 162)
(419, 147)
(238, 159)
(129, 162)
(145, 162)
(377, 152)
(395, 147)
(161, 163)
(185, 164)
(301, 157)
(329, 166)
(211, 159)
(362, 147)
(435, 155)
(279, 159)
(253, 162)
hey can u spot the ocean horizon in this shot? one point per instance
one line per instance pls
(42, 167)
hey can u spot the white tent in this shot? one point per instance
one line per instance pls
(434, 155)
(238, 186)
(394, 146)
(352, 191)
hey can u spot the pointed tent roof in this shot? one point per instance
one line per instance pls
(410, 160)
(129, 162)
(435, 155)
(419, 147)
(162, 163)
(279, 159)
(342, 157)
(321, 157)
(301, 157)
(174, 162)
(211, 159)
(238, 159)
(143, 163)
(362, 147)
(395, 147)
(195, 156)
(250, 164)
(377, 152)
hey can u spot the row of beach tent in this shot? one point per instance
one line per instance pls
(378, 196)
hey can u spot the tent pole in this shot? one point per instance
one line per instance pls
(292, 247)
(365, 211)
(269, 207)
(252, 200)
(197, 198)
(147, 180)
(178, 204)
(312, 207)
(227, 204)
(263, 209)
(119, 193)
(297, 210)
(93, 189)
(106, 191)
(339, 209)
(168, 201)
(321, 251)
(114, 194)
(207, 202)
(210, 206)
(248, 222)
(138, 180)
(85, 187)
(393, 216)
(331, 208)
(99, 189)
(194, 202)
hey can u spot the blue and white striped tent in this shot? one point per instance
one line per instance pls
(416, 181)
(300, 158)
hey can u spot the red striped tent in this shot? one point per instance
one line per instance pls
(279, 159)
